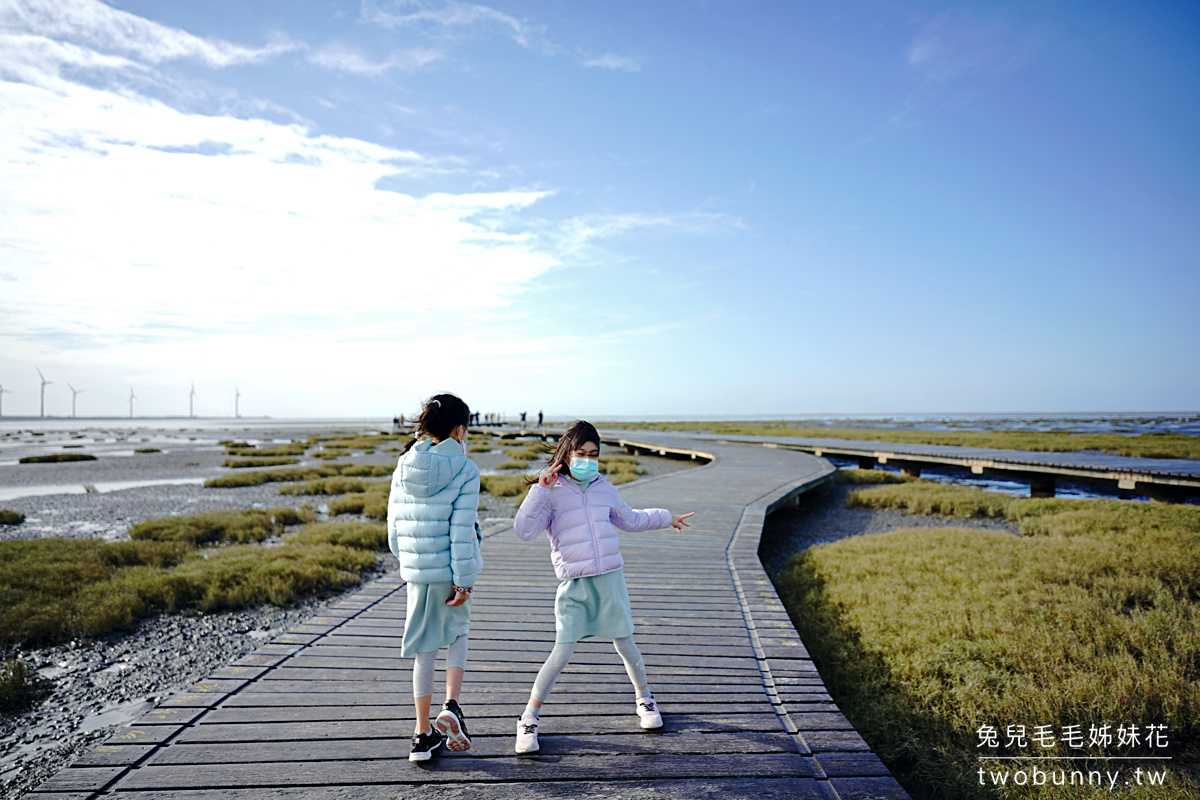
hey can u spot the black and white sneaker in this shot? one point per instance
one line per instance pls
(453, 725)
(424, 744)
(649, 716)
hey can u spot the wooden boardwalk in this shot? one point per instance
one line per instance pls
(325, 711)
(1172, 479)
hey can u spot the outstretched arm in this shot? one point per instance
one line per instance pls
(533, 516)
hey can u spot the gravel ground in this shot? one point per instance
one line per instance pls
(822, 517)
(102, 685)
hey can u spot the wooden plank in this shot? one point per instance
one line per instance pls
(482, 747)
(473, 697)
(484, 726)
(80, 779)
(612, 788)
(869, 789)
(466, 769)
(555, 707)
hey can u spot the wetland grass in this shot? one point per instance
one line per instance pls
(297, 474)
(8, 517)
(620, 469)
(243, 449)
(57, 457)
(335, 485)
(1091, 615)
(244, 463)
(52, 590)
(861, 477)
(21, 688)
(221, 527)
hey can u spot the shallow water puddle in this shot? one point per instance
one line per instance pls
(13, 492)
(121, 714)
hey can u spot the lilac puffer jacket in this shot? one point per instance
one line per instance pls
(583, 525)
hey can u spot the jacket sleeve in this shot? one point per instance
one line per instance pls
(465, 558)
(393, 544)
(535, 512)
(634, 520)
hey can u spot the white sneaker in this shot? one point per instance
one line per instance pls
(527, 735)
(647, 709)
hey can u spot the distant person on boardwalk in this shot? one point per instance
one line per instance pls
(432, 529)
(522, 422)
(581, 511)
(540, 425)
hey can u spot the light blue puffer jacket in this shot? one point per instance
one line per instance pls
(431, 514)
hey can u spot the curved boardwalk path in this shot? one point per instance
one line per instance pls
(326, 711)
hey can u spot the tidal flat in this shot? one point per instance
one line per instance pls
(99, 683)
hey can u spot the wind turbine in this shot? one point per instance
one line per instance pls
(75, 393)
(132, 397)
(191, 400)
(45, 383)
(236, 396)
(2, 391)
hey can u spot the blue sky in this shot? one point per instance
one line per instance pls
(600, 208)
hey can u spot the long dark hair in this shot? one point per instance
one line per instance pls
(440, 416)
(578, 434)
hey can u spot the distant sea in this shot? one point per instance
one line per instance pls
(1131, 423)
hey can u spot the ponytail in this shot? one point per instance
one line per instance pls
(440, 416)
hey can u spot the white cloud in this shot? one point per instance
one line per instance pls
(110, 30)
(123, 219)
(956, 46)
(343, 58)
(612, 61)
(576, 237)
(446, 15)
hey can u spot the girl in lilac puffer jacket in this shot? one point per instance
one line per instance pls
(581, 511)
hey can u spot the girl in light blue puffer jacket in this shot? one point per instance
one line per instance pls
(432, 530)
(581, 511)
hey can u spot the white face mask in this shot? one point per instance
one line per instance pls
(464, 441)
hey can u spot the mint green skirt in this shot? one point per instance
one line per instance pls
(430, 623)
(597, 605)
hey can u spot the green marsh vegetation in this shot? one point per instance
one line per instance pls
(52, 590)
(335, 485)
(512, 465)
(243, 449)
(21, 688)
(866, 477)
(147, 450)
(244, 463)
(8, 517)
(221, 527)
(479, 448)
(1090, 615)
(503, 485)
(1146, 445)
(57, 457)
(298, 474)
(620, 469)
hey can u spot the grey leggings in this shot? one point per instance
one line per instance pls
(456, 656)
(561, 655)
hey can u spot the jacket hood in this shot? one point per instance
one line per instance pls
(428, 468)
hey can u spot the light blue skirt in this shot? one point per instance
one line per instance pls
(430, 623)
(597, 605)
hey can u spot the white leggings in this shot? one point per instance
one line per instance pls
(635, 667)
(456, 656)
